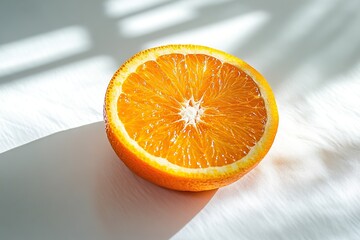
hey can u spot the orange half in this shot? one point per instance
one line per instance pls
(189, 117)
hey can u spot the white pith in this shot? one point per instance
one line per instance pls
(191, 112)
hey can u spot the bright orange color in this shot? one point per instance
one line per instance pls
(189, 117)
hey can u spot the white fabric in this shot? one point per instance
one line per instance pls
(56, 58)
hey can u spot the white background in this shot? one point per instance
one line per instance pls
(59, 178)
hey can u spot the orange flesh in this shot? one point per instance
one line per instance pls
(230, 111)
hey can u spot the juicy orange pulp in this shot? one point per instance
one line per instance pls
(193, 110)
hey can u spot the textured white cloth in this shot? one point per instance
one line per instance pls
(59, 178)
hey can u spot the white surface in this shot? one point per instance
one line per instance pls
(56, 58)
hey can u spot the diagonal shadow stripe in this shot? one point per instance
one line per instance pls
(71, 185)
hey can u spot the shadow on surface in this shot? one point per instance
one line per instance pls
(71, 185)
(100, 30)
(299, 37)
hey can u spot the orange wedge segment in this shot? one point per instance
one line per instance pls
(189, 117)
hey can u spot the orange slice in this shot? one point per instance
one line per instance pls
(189, 117)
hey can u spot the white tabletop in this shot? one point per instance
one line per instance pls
(59, 178)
